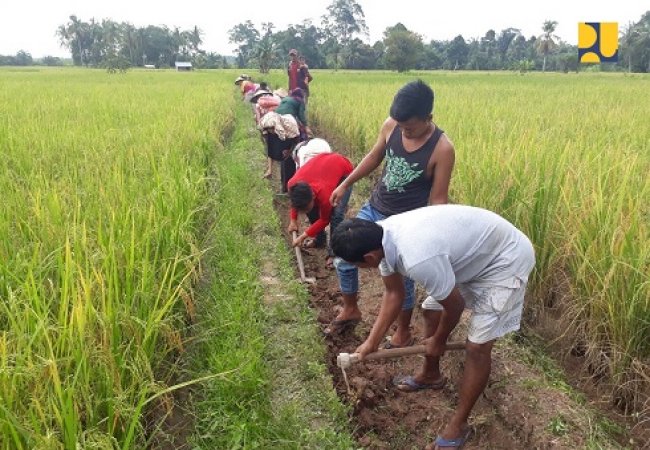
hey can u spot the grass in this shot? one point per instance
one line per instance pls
(277, 393)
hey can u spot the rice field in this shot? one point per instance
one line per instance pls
(564, 157)
(103, 185)
(104, 182)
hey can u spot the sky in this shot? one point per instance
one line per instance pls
(30, 25)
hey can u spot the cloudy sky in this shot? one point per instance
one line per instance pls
(31, 24)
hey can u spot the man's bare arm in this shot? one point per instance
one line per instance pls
(442, 170)
(391, 305)
(370, 162)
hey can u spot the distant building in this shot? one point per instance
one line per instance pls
(183, 66)
(149, 66)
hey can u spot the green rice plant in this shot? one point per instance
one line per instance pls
(103, 181)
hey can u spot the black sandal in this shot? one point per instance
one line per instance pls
(338, 327)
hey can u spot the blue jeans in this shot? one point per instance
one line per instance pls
(349, 274)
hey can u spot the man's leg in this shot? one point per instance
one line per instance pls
(430, 371)
(402, 334)
(478, 364)
(348, 275)
(287, 170)
(496, 311)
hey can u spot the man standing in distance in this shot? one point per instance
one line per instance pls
(304, 77)
(293, 70)
(419, 162)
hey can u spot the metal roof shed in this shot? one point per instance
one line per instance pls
(183, 66)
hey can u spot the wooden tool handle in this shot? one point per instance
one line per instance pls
(301, 265)
(412, 350)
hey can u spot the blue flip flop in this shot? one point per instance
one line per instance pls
(454, 443)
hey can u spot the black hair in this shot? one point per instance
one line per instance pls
(414, 99)
(264, 85)
(353, 238)
(300, 195)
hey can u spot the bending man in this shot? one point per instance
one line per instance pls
(309, 192)
(465, 257)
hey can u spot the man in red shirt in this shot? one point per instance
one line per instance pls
(293, 70)
(309, 192)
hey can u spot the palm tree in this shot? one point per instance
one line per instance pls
(195, 38)
(635, 44)
(71, 35)
(128, 41)
(265, 49)
(545, 43)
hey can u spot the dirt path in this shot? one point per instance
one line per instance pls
(520, 409)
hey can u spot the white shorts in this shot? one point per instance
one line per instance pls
(496, 309)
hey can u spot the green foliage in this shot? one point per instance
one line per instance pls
(108, 44)
(402, 48)
(103, 185)
(51, 61)
(22, 58)
(246, 37)
(635, 45)
(456, 53)
(116, 63)
(558, 426)
(523, 66)
(336, 44)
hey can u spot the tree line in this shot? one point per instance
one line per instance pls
(337, 43)
(120, 44)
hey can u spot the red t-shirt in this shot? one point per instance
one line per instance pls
(294, 68)
(323, 173)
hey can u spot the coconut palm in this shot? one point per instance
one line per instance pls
(546, 43)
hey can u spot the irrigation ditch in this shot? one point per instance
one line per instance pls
(532, 399)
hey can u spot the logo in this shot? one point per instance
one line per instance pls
(597, 42)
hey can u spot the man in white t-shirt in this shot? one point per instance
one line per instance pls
(465, 257)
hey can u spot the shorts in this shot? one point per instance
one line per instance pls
(496, 308)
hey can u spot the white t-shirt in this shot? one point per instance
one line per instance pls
(443, 245)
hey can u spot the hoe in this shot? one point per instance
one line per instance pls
(301, 265)
(345, 360)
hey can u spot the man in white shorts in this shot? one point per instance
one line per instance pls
(465, 257)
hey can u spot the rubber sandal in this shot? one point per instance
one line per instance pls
(338, 327)
(389, 344)
(457, 443)
(408, 384)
